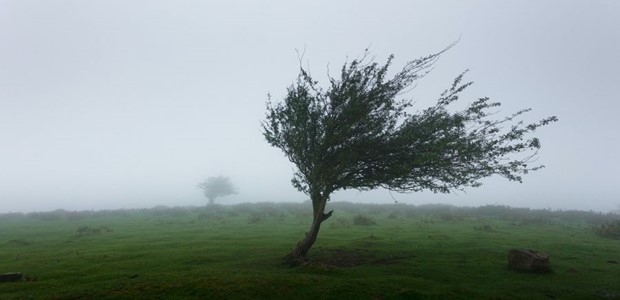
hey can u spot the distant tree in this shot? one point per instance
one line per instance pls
(355, 134)
(214, 187)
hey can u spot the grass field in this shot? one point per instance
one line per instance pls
(234, 252)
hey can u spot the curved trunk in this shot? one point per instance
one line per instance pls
(299, 253)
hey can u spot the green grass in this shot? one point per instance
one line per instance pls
(424, 252)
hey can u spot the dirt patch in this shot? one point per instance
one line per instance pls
(388, 260)
(341, 257)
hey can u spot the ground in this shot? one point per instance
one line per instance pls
(235, 252)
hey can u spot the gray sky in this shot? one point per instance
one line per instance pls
(122, 104)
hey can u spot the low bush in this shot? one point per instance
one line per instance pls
(340, 223)
(484, 227)
(610, 229)
(393, 215)
(87, 230)
(363, 220)
(255, 218)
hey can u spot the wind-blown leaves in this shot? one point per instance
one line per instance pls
(358, 135)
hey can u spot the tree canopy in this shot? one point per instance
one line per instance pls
(219, 186)
(359, 133)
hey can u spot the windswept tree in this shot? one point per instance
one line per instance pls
(358, 133)
(214, 187)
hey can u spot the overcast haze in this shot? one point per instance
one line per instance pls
(124, 104)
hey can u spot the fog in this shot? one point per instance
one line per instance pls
(128, 104)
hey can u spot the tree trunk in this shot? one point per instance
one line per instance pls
(299, 253)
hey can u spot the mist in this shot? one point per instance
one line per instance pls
(116, 104)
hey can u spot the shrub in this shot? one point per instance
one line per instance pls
(484, 227)
(393, 215)
(363, 220)
(427, 220)
(48, 216)
(376, 209)
(87, 230)
(531, 220)
(255, 218)
(244, 208)
(610, 229)
(340, 223)
(267, 208)
(450, 216)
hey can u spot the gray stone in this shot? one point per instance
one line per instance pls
(528, 260)
(6, 277)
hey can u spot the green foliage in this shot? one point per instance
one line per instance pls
(219, 186)
(255, 218)
(88, 230)
(356, 134)
(340, 223)
(363, 220)
(610, 229)
(484, 227)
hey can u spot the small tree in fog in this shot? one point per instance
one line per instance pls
(356, 134)
(214, 187)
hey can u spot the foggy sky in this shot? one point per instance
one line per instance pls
(123, 104)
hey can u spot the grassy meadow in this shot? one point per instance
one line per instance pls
(363, 252)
